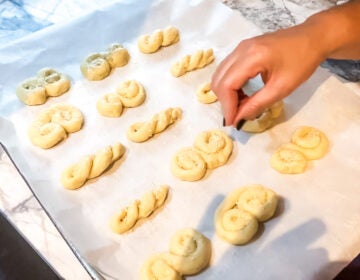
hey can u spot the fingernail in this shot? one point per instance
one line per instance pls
(224, 122)
(240, 124)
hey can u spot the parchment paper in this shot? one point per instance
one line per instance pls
(316, 228)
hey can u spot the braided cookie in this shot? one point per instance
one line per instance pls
(265, 120)
(237, 217)
(189, 253)
(188, 165)
(48, 82)
(53, 124)
(75, 176)
(142, 131)
(307, 143)
(131, 93)
(214, 146)
(188, 63)
(159, 38)
(205, 94)
(110, 105)
(139, 209)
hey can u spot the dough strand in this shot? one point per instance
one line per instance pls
(92, 166)
(188, 63)
(142, 131)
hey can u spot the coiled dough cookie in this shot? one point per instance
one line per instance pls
(117, 55)
(214, 146)
(139, 209)
(237, 217)
(205, 94)
(110, 105)
(189, 253)
(48, 82)
(265, 120)
(188, 63)
(131, 93)
(53, 124)
(159, 38)
(95, 67)
(75, 176)
(188, 165)
(288, 161)
(142, 131)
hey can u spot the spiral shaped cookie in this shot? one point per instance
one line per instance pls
(116, 55)
(110, 105)
(189, 253)
(265, 120)
(159, 38)
(95, 67)
(139, 209)
(53, 124)
(142, 131)
(237, 217)
(75, 176)
(214, 146)
(188, 165)
(131, 93)
(205, 94)
(288, 161)
(48, 82)
(188, 63)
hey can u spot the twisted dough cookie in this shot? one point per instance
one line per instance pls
(48, 82)
(74, 176)
(214, 146)
(97, 66)
(205, 94)
(139, 209)
(110, 105)
(188, 165)
(307, 143)
(142, 131)
(159, 38)
(188, 63)
(189, 253)
(53, 124)
(131, 93)
(237, 217)
(265, 120)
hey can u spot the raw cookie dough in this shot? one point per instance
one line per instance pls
(48, 82)
(142, 131)
(159, 38)
(188, 63)
(189, 253)
(139, 209)
(188, 165)
(110, 105)
(205, 94)
(265, 120)
(288, 161)
(53, 124)
(75, 176)
(237, 217)
(95, 67)
(117, 55)
(214, 146)
(131, 93)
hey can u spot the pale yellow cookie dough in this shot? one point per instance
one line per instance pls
(205, 95)
(117, 55)
(131, 93)
(139, 209)
(95, 67)
(140, 132)
(288, 161)
(110, 105)
(159, 38)
(199, 59)
(188, 165)
(214, 146)
(75, 176)
(189, 254)
(31, 92)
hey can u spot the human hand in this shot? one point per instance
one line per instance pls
(284, 59)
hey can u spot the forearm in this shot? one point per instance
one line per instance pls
(336, 32)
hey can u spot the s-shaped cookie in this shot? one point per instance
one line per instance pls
(159, 38)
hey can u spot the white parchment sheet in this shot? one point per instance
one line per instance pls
(317, 226)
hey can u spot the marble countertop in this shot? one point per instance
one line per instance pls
(20, 18)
